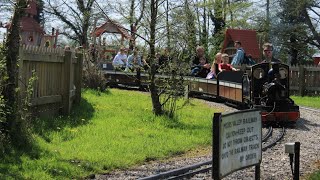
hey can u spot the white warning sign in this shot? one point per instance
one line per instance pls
(240, 141)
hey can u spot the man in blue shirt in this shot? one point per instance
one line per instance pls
(134, 60)
(238, 58)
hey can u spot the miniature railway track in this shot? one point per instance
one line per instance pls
(184, 172)
(205, 167)
(275, 140)
(268, 134)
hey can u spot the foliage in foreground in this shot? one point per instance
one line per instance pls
(308, 101)
(93, 78)
(108, 130)
(315, 176)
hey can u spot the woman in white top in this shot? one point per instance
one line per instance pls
(120, 59)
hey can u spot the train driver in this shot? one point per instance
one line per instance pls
(268, 53)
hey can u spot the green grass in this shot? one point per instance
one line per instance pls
(308, 101)
(108, 131)
(315, 176)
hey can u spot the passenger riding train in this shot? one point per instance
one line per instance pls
(263, 86)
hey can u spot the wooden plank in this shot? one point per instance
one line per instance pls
(46, 100)
(203, 87)
(312, 69)
(41, 58)
(212, 88)
(302, 80)
(239, 95)
(296, 88)
(194, 86)
(313, 88)
(232, 92)
(66, 83)
(222, 91)
(74, 60)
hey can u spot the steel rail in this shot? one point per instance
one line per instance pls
(268, 134)
(275, 141)
(190, 174)
(176, 172)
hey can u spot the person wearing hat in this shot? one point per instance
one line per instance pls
(236, 60)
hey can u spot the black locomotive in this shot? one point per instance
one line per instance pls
(270, 92)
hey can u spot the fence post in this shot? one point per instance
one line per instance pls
(66, 83)
(78, 78)
(301, 80)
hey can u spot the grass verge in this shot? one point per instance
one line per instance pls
(314, 176)
(308, 101)
(107, 131)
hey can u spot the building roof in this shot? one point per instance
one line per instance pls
(248, 39)
(30, 24)
(111, 26)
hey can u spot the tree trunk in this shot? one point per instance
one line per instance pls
(312, 28)
(157, 109)
(204, 29)
(293, 51)
(11, 55)
(217, 17)
(190, 28)
(131, 14)
(133, 37)
(267, 38)
(168, 26)
(198, 18)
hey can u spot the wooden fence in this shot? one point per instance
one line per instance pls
(59, 75)
(305, 80)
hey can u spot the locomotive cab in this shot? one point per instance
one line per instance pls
(270, 92)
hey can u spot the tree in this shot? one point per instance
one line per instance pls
(40, 15)
(218, 19)
(292, 30)
(13, 126)
(76, 16)
(312, 22)
(157, 108)
(134, 21)
(168, 25)
(190, 29)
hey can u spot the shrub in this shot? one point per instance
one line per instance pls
(93, 78)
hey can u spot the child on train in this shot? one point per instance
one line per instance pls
(215, 67)
(225, 66)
